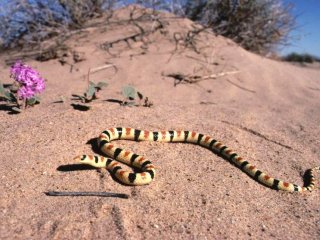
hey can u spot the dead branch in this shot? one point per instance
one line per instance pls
(315, 89)
(243, 88)
(97, 69)
(180, 78)
(40, 55)
(189, 40)
(55, 50)
(139, 36)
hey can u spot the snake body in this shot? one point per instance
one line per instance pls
(147, 170)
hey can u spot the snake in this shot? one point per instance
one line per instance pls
(145, 170)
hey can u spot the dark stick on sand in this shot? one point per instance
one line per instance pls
(97, 194)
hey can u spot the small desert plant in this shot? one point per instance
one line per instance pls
(27, 84)
(301, 58)
(134, 98)
(91, 92)
(88, 96)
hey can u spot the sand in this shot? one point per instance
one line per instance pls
(268, 113)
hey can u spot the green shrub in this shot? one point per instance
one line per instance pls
(301, 58)
(257, 25)
(28, 22)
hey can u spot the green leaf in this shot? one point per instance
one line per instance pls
(2, 90)
(32, 101)
(100, 85)
(92, 83)
(91, 90)
(9, 96)
(16, 109)
(6, 94)
(79, 97)
(129, 92)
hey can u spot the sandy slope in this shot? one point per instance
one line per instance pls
(268, 112)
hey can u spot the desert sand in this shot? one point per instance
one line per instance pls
(268, 112)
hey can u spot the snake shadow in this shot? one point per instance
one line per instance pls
(82, 167)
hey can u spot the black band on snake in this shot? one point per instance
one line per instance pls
(147, 173)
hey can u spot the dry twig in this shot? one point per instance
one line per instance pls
(139, 36)
(97, 194)
(189, 40)
(180, 78)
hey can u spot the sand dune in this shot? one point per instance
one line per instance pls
(268, 112)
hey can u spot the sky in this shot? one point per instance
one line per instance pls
(306, 38)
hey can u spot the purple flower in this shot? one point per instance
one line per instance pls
(25, 92)
(29, 80)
